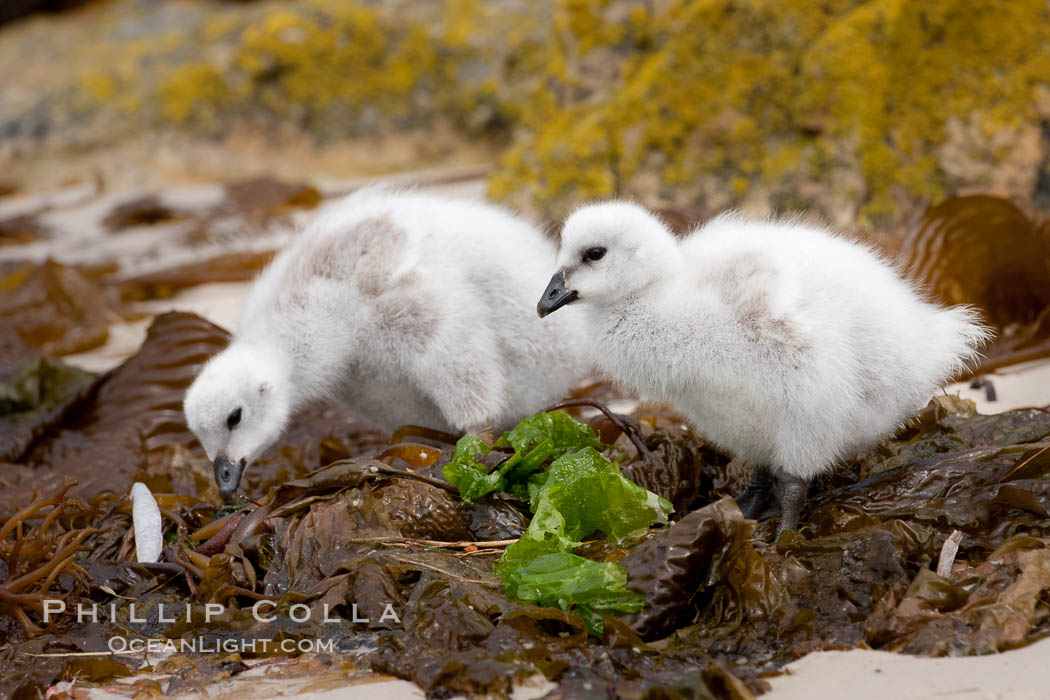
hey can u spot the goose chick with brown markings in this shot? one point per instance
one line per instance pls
(406, 308)
(783, 343)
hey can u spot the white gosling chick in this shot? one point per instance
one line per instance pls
(784, 344)
(405, 307)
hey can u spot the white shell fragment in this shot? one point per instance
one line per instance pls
(949, 550)
(145, 514)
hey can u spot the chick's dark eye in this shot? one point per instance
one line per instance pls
(593, 254)
(234, 418)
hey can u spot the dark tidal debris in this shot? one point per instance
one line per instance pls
(726, 607)
(340, 515)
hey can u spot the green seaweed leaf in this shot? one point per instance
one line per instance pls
(565, 434)
(469, 475)
(581, 493)
(536, 440)
(593, 495)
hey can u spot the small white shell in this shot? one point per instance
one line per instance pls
(149, 539)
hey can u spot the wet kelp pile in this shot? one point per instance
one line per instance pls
(341, 523)
(600, 557)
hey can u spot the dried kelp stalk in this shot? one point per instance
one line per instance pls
(35, 555)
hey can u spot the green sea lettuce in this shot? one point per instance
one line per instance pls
(469, 475)
(535, 440)
(582, 492)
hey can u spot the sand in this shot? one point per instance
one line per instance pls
(1020, 674)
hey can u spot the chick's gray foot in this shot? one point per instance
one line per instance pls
(791, 491)
(758, 500)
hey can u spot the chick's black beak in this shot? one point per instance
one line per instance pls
(227, 475)
(556, 295)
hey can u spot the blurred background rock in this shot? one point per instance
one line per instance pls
(862, 111)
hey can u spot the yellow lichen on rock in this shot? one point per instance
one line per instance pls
(193, 91)
(98, 85)
(738, 97)
(865, 111)
(308, 58)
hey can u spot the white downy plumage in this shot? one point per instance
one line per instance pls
(783, 343)
(405, 307)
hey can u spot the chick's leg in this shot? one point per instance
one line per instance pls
(792, 491)
(757, 501)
